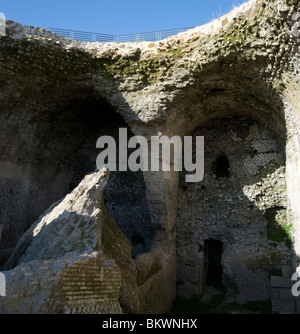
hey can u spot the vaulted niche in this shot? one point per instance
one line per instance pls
(226, 236)
(58, 150)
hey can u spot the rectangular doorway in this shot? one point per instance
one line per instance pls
(213, 263)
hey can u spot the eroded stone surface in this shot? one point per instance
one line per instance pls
(244, 64)
(242, 204)
(67, 235)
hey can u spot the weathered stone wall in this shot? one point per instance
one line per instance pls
(88, 284)
(81, 241)
(283, 302)
(92, 287)
(244, 64)
(243, 204)
(156, 278)
(60, 150)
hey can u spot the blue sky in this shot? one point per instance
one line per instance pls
(115, 17)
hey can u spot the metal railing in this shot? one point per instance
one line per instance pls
(82, 36)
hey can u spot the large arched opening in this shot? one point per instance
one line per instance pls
(243, 200)
(53, 150)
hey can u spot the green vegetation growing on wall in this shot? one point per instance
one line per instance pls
(278, 228)
(235, 36)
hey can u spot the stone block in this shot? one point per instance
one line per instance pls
(286, 294)
(279, 282)
(276, 305)
(288, 306)
(275, 293)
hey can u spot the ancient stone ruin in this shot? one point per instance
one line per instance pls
(78, 240)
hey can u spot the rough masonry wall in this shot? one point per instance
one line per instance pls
(76, 230)
(57, 149)
(87, 284)
(243, 205)
(244, 64)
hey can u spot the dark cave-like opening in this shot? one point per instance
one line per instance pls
(221, 167)
(125, 193)
(59, 152)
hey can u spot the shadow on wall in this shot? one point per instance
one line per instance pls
(63, 152)
(125, 193)
(233, 231)
(54, 124)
